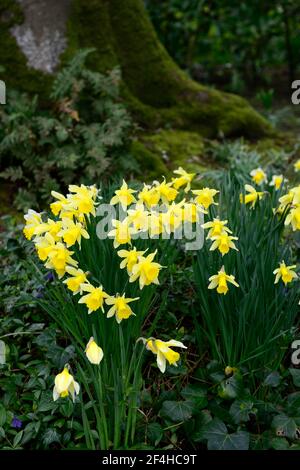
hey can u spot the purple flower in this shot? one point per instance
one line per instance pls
(49, 276)
(16, 423)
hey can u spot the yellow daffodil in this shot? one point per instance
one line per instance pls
(258, 176)
(120, 307)
(51, 227)
(252, 197)
(138, 217)
(93, 352)
(146, 270)
(205, 197)
(71, 232)
(285, 273)
(149, 196)
(122, 232)
(293, 218)
(64, 385)
(123, 196)
(44, 245)
(296, 195)
(172, 219)
(220, 281)
(297, 165)
(230, 370)
(130, 258)
(223, 242)
(83, 199)
(57, 206)
(94, 299)
(166, 192)
(191, 211)
(184, 179)
(59, 257)
(217, 227)
(155, 224)
(163, 351)
(33, 220)
(76, 279)
(276, 181)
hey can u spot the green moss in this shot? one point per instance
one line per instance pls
(16, 72)
(150, 162)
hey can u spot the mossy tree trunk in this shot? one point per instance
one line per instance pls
(157, 91)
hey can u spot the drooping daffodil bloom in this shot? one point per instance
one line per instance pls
(57, 206)
(217, 227)
(184, 179)
(163, 351)
(123, 196)
(64, 384)
(71, 232)
(276, 181)
(166, 192)
(138, 217)
(297, 165)
(52, 227)
(120, 307)
(93, 352)
(130, 258)
(223, 242)
(258, 176)
(76, 279)
(95, 297)
(220, 281)
(121, 232)
(149, 196)
(146, 270)
(205, 197)
(33, 220)
(293, 218)
(252, 197)
(285, 273)
(59, 257)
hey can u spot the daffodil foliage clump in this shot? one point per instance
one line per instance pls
(103, 295)
(246, 273)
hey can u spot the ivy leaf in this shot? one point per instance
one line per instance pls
(279, 443)
(231, 388)
(201, 422)
(240, 410)
(196, 394)
(218, 437)
(273, 379)
(295, 373)
(155, 433)
(177, 411)
(285, 426)
(50, 436)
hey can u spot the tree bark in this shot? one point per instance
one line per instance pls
(157, 91)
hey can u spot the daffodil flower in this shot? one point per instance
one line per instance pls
(130, 258)
(64, 385)
(205, 197)
(285, 273)
(44, 245)
(297, 166)
(217, 227)
(59, 257)
(276, 181)
(57, 206)
(138, 217)
(220, 281)
(52, 227)
(223, 242)
(166, 192)
(93, 352)
(76, 279)
(149, 196)
(94, 299)
(252, 197)
(190, 212)
(172, 219)
(258, 176)
(33, 220)
(155, 222)
(293, 218)
(123, 196)
(146, 270)
(71, 232)
(120, 307)
(163, 351)
(83, 198)
(184, 179)
(122, 232)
